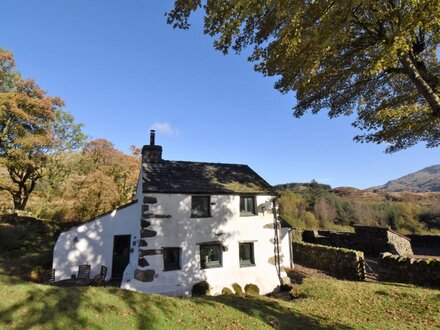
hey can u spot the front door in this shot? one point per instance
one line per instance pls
(121, 255)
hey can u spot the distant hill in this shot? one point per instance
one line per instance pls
(426, 180)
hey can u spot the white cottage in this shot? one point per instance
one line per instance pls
(190, 221)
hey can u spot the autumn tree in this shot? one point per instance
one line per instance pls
(67, 137)
(28, 136)
(377, 59)
(105, 178)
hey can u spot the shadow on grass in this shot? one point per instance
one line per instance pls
(45, 307)
(272, 312)
(48, 307)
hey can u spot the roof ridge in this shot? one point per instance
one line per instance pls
(209, 163)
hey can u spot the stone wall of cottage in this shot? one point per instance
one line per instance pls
(145, 273)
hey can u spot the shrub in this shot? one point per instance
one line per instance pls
(200, 289)
(237, 289)
(297, 293)
(227, 291)
(37, 273)
(11, 237)
(252, 289)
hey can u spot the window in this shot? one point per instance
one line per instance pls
(210, 255)
(200, 206)
(171, 258)
(247, 205)
(246, 251)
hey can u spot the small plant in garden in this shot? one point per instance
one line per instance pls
(297, 292)
(252, 289)
(237, 289)
(200, 289)
(227, 292)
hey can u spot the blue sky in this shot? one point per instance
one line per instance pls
(122, 70)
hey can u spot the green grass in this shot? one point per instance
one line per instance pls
(326, 304)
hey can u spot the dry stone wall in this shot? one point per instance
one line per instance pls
(370, 240)
(424, 272)
(339, 262)
(425, 244)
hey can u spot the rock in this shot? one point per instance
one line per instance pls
(144, 275)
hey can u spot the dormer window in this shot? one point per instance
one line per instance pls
(247, 206)
(200, 206)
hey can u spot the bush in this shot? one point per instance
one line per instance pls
(252, 289)
(227, 292)
(11, 236)
(37, 274)
(237, 289)
(297, 293)
(200, 289)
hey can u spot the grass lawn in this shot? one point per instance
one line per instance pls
(325, 304)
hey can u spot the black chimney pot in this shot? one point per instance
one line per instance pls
(152, 137)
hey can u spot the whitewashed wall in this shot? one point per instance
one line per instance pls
(225, 225)
(92, 242)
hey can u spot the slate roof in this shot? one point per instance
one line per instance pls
(204, 178)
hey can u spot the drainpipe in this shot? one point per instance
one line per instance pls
(276, 238)
(290, 248)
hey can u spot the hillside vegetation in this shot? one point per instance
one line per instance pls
(314, 205)
(425, 180)
(26, 245)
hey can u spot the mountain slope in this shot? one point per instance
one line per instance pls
(425, 180)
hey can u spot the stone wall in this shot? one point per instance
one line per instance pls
(370, 240)
(338, 262)
(425, 244)
(424, 272)
(398, 244)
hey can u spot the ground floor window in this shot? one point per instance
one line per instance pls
(171, 258)
(246, 252)
(210, 255)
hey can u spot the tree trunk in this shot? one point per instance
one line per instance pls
(422, 86)
(21, 196)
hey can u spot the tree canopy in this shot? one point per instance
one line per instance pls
(32, 129)
(377, 59)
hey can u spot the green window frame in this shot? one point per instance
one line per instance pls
(171, 258)
(200, 206)
(247, 206)
(246, 254)
(211, 255)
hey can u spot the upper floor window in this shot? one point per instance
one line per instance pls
(200, 206)
(247, 205)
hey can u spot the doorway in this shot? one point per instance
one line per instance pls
(121, 255)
